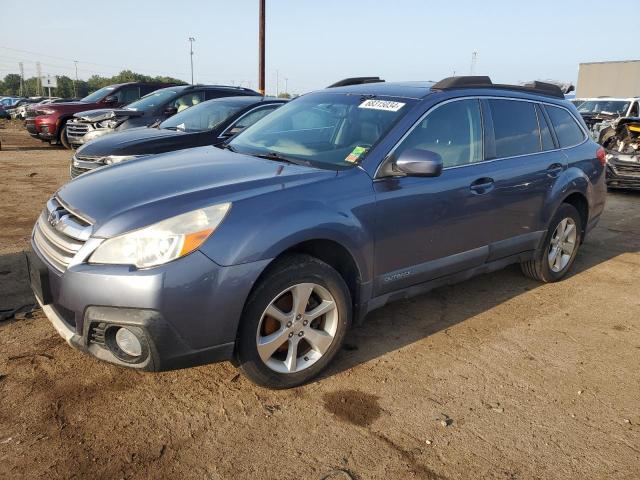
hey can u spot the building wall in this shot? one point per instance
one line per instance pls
(616, 79)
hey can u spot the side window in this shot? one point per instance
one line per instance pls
(454, 131)
(545, 132)
(634, 110)
(254, 116)
(188, 100)
(127, 95)
(567, 130)
(516, 127)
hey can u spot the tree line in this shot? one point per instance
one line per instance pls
(10, 85)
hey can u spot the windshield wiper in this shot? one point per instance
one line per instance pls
(226, 146)
(278, 157)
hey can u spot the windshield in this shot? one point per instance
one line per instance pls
(98, 94)
(153, 99)
(328, 130)
(202, 117)
(617, 107)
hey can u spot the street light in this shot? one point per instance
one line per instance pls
(191, 40)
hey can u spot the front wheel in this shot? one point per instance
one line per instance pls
(294, 322)
(64, 141)
(558, 252)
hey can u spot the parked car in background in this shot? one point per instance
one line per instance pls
(7, 103)
(337, 203)
(152, 108)
(49, 123)
(19, 109)
(209, 123)
(598, 113)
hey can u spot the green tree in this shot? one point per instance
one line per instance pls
(11, 84)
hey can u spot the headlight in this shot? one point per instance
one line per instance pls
(111, 159)
(164, 241)
(108, 124)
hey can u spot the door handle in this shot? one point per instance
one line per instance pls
(554, 169)
(482, 185)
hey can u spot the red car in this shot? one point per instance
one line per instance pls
(48, 122)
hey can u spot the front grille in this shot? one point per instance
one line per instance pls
(60, 234)
(76, 130)
(83, 163)
(627, 169)
(77, 171)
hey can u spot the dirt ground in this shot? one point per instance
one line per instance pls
(497, 377)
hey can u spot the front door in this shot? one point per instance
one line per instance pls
(430, 227)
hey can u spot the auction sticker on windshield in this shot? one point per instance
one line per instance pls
(387, 105)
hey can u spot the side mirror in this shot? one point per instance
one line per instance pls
(170, 111)
(419, 163)
(110, 99)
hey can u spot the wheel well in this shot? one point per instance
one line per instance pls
(335, 255)
(579, 201)
(62, 122)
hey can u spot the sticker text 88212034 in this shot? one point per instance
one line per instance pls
(387, 105)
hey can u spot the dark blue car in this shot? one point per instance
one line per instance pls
(265, 252)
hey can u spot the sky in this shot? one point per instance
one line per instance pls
(313, 43)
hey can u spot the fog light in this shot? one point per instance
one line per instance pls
(128, 342)
(44, 129)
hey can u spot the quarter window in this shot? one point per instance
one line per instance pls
(545, 132)
(567, 130)
(516, 128)
(127, 95)
(454, 131)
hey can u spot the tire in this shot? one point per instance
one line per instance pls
(287, 279)
(64, 141)
(540, 267)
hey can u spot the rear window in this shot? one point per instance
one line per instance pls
(515, 126)
(567, 129)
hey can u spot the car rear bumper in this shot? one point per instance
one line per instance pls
(185, 313)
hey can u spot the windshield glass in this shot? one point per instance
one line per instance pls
(153, 99)
(617, 107)
(201, 117)
(328, 130)
(98, 94)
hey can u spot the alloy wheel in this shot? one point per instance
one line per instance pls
(297, 328)
(563, 244)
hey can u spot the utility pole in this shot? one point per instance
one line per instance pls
(277, 83)
(39, 79)
(261, 42)
(474, 61)
(21, 65)
(286, 85)
(191, 40)
(75, 84)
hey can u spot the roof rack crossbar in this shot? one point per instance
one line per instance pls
(539, 88)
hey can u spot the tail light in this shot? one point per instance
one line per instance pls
(601, 154)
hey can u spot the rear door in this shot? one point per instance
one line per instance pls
(525, 160)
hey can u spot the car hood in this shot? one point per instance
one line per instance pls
(137, 193)
(107, 113)
(70, 107)
(137, 141)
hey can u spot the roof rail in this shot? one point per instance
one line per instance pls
(539, 88)
(355, 81)
(201, 85)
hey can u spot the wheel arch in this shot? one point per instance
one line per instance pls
(333, 253)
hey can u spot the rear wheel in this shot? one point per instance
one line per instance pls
(294, 322)
(558, 252)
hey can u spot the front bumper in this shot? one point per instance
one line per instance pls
(187, 311)
(623, 173)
